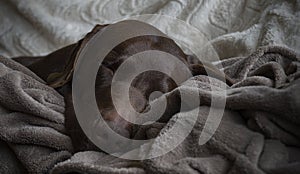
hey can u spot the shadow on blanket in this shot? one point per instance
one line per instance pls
(259, 132)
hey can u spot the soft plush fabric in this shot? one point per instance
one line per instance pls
(259, 132)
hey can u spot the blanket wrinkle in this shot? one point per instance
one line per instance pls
(259, 131)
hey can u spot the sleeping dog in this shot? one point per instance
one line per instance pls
(57, 67)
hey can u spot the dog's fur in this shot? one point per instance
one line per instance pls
(142, 86)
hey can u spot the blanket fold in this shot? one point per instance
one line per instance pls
(259, 131)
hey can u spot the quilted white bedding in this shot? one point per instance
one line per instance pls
(235, 27)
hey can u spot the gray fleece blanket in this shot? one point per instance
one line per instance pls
(259, 131)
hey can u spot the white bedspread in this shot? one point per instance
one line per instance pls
(236, 27)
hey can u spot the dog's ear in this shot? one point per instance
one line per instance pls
(54, 62)
(59, 79)
(57, 68)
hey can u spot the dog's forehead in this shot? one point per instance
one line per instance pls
(141, 44)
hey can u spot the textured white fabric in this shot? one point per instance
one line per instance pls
(236, 27)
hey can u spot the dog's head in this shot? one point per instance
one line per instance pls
(57, 68)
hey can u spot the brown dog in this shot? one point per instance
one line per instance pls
(57, 67)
